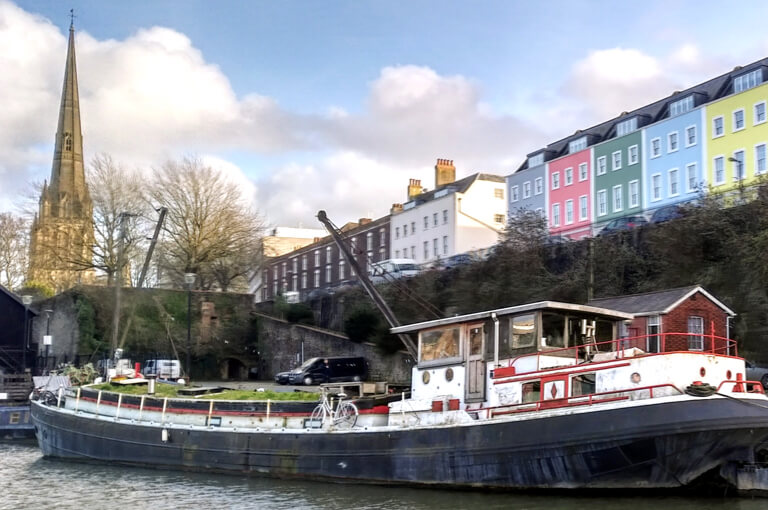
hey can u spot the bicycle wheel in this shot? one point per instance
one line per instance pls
(346, 416)
(317, 418)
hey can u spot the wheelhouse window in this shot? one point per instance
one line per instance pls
(531, 391)
(583, 384)
(517, 335)
(439, 344)
(553, 330)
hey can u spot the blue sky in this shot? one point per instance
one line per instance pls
(336, 104)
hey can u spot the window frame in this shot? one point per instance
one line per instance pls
(630, 159)
(654, 197)
(620, 197)
(555, 180)
(615, 159)
(734, 129)
(715, 159)
(602, 194)
(636, 203)
(602, 164)
(583, 207)
(676, 142)
(670, 182)
(568, 176)
(688, 143)
(538, 186)
(569, 202)
(756, 122)
(720, 118)
(657, 140)
(583, 175)
(688, 167)
(765, 155)
(556, 214)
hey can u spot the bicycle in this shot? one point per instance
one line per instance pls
(343, 416)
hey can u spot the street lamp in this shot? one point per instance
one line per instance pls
(189, 279)
(47, 340)
(27, 300)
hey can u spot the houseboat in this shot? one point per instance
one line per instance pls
(543, 395)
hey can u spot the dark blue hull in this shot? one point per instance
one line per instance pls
(16, 422)
(660, 445)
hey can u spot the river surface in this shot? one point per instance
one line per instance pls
(28, 481)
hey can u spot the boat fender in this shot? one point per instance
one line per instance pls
(164, 435)
(700, 389)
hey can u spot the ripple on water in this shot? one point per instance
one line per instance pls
(29, 481)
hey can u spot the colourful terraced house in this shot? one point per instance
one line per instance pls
(569, 181)
(737, 133)
(618, 170)
(526, 188)
(673, 162)
(712, 137)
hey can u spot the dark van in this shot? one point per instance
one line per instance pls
(325, 370)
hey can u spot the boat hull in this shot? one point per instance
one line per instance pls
(639, 446)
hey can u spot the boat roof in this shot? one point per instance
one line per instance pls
(530, 307)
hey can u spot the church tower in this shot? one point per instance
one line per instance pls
(61, 239)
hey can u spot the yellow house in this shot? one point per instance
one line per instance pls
(737, 134)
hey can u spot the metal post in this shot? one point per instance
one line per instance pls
(48, 335)
(189, 330)
(26, 299)
(189, 279)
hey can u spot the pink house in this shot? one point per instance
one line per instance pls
(569, 195)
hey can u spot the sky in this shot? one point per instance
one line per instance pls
(334, 105)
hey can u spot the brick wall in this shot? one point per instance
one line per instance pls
(677, 322)
(281, 343)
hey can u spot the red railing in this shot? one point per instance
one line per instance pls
(579, 400)
(638, 345)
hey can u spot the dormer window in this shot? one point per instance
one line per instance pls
(536, 160)
(577, 145)
(67, 142)
(681, 106)
(748, 80)
(627, 126)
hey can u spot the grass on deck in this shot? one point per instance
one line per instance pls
(171, 391)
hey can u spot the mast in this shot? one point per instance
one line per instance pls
(410, 345)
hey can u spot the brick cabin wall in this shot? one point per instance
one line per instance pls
(676, 321)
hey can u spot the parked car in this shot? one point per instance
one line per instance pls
(757, 373)
(282, 377)
(666, 213)
(325, 370)
(163, 368)
(625, 223)
(458, 260)
(390, 269)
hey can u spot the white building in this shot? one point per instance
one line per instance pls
(464, 216)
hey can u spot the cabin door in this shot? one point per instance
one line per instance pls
(554, 391)
(474, 346)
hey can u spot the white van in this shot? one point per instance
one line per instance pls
(387, 270)
(163, 368)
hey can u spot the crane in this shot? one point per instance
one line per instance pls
(410, 345)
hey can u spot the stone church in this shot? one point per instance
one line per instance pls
(61, 239)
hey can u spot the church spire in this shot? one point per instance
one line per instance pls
(68, 191)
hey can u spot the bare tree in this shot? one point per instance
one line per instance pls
(118, 209)
(210, 228)
(14, 250)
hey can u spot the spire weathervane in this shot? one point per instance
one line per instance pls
(72, 18)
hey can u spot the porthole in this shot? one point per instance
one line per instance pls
(425, 377)
(703, 371)
(636, 377)
(449, 374)
(728, 375)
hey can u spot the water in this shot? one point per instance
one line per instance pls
(28, 481)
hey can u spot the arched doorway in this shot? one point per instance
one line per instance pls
(233, 368)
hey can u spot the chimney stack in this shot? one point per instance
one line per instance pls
(445, 172)
(364, 221)
(396, 208)
(414, 188)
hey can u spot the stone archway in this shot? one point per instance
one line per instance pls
(233, 369)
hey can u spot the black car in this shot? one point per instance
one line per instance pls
(757, 373)
(282, 377)
(666, 213)
(325, 370)
(621, 224)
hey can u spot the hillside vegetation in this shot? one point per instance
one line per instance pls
(723, 249)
